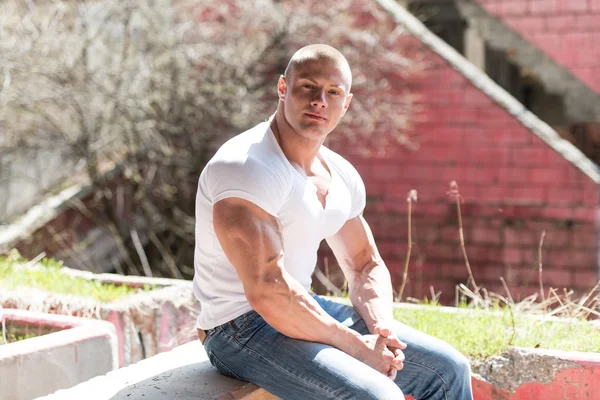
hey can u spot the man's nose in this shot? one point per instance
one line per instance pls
(319, 99)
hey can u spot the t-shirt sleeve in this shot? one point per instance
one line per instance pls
(359, 196)
(250, 180)
(358, 192)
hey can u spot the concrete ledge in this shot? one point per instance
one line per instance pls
(146, 323)
(184, 373)
(69, 351)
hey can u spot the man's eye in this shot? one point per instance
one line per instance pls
(335, 92)
(309, 86)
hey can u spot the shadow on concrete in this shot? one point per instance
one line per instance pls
(193, 381)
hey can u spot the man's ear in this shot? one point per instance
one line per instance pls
(281, 87)
(347, 103)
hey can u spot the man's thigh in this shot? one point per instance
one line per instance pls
(432, 368)
(250, 349)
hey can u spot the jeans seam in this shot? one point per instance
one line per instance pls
(260, 356)
(445, 384)
(227, 368)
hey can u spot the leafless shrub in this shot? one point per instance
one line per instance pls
(153, 87)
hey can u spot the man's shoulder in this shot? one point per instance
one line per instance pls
(248, 156)
(240, 145)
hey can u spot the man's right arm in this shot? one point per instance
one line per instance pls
(252, 241)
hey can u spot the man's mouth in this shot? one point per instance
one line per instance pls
(315, 117)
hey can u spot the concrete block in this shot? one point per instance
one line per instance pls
(184, 373)
(146, 323)
(70, 351)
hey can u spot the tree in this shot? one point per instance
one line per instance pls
(153, 87)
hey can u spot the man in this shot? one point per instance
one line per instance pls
(265, 202)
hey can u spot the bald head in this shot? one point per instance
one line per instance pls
(320, 52)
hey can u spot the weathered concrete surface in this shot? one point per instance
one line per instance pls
(146, 323)
(184, 373)
(534, 374)
(78, 349)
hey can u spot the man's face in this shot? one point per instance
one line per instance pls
(315, 97)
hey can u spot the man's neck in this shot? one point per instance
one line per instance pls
(298, 150)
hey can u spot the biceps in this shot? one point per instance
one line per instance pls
(250, 238)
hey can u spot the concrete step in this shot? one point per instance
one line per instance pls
(184, 373)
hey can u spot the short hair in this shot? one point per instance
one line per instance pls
(319, 52)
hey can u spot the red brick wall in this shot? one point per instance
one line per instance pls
(567, 30)
(514, 186)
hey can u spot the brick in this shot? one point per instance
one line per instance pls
(514, 7)
(528, 195)
(457, 115)
(486, 235)
(589, 214)
(473, 96)
(575, 175)
(560, 213)
(573, 5)
(556, 278)
(584, 279)
(576, 40)
(564, 195)
(543, 7)
(586, 22)
(440, 95)
(516, 256)
(493, 194)
(548, 175)
(493, 156)
(488, 113)
(536, 156)
(519, 237)
(557, 238)
(483, 255)
(531, 24)
(594, 5)
(582, 259)
(561, 23)
(590, 196)
(510, 175)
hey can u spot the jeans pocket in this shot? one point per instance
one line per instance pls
(222, 368)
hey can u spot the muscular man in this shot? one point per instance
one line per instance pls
(265, 202)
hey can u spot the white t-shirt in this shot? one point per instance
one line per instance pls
(253, 167)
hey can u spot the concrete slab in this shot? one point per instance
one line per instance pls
(69, 351)
(184, 373)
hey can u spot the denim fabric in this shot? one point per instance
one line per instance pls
(250, 349)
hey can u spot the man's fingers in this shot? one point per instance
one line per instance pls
(393, 341)
(383, 330)
(392, 373)
(398, 361)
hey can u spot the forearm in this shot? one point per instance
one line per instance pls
(286, 305)
(371, 294)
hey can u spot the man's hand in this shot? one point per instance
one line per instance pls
(378, 353)
(385, 330)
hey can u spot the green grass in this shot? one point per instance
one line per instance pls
(51, 279)
(480, 333)
(12, 337)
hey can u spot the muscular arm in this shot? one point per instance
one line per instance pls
(369, 280)
(251, 239)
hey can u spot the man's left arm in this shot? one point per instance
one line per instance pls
(369, 280)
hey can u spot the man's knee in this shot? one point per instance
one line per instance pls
(458, 363)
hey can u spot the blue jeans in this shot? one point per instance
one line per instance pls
(249, 349)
